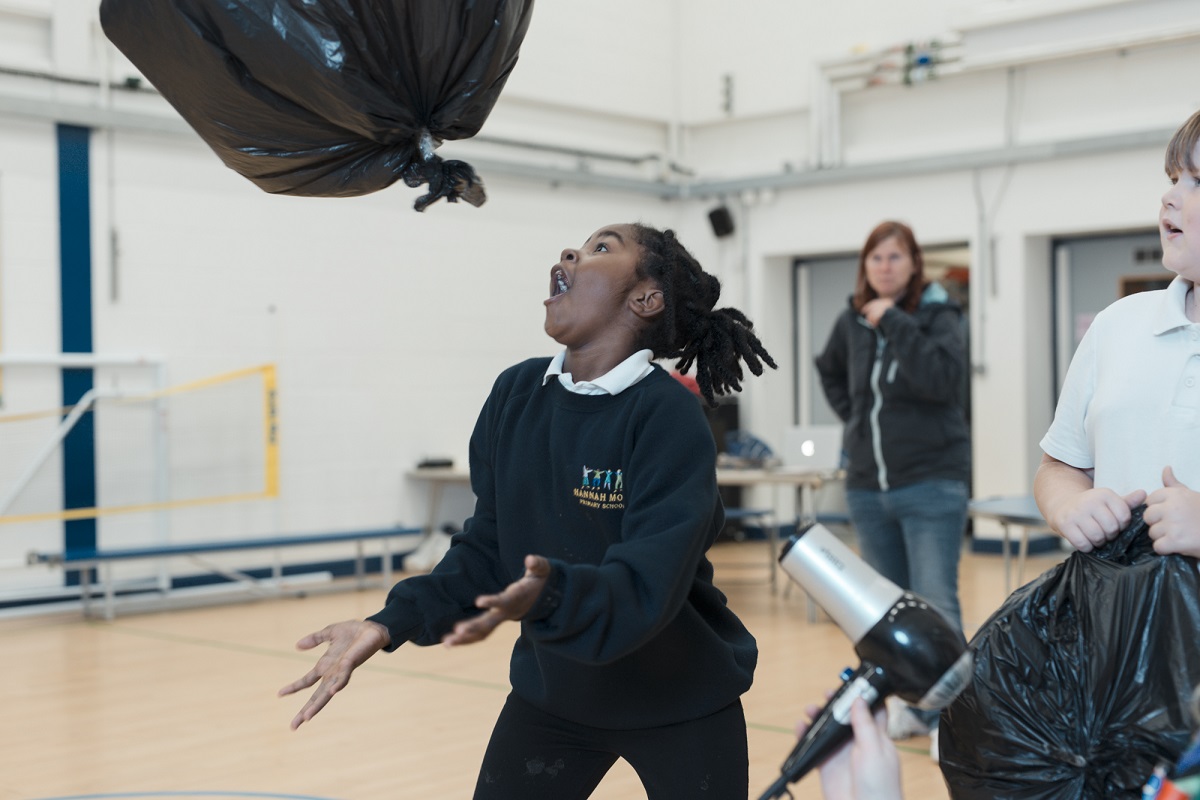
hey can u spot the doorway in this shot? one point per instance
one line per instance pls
(1090, 273)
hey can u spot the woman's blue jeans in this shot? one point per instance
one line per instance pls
(913, 536)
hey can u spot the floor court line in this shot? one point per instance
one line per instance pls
(308, 657)
(369, 666)
(372, 666)
(111, 711)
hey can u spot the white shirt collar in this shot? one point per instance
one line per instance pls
(1172, 313)
(615, 381)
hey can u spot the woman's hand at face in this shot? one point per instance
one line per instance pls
(874, 310)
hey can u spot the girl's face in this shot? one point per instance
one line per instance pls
(1179, 223)
(590, 287)
(889, 268)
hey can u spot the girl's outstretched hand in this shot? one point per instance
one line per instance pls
(350, 644)
(513, 603)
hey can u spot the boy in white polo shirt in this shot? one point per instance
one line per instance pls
(1127, 427)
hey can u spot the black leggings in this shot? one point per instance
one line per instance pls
(536, 756)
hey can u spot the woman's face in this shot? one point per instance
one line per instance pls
(889, 268)
(590, 286)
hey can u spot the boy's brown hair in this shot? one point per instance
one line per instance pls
(1183, 145)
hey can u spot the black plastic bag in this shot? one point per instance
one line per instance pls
(335, 98)
(1082, 679)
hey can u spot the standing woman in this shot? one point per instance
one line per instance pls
(893, 371)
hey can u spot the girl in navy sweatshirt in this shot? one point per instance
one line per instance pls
(596, 502)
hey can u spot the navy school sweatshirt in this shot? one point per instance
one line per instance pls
(619, 493)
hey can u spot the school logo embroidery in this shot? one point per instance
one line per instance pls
(601, 488)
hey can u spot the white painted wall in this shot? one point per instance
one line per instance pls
(391, 324)
(388, 326)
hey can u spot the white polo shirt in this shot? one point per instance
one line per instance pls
(1131, 401)
(615, 381)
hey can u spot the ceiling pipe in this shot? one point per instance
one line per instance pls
(679, 187)
(953, 162)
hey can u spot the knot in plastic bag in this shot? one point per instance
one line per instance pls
(452, 180)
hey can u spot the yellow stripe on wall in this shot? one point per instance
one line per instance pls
(87, 513)
(270, 487)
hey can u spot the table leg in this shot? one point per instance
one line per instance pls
(435, 501)
(772, 532)
(807, 513)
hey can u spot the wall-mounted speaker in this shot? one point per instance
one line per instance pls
(721, 221)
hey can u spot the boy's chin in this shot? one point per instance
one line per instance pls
(1182, 267)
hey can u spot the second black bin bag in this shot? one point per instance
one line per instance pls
(1082, 679)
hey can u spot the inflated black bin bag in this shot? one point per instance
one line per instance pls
(333, 98)
(1082, 679)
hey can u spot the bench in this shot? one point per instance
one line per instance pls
(86, 560)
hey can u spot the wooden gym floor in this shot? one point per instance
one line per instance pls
(182, 704)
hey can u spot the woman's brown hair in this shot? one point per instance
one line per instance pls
(863, 293)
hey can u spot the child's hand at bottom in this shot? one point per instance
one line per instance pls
(1173, 514)
(867, 768)
(1095, 517)
(513, 603)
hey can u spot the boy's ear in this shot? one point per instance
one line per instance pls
(647, 301)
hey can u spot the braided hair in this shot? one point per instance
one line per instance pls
(689, 329)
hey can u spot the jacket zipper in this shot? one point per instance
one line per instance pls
(876, 407)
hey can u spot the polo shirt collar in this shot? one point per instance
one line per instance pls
(1172, 309)
(615, 381)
